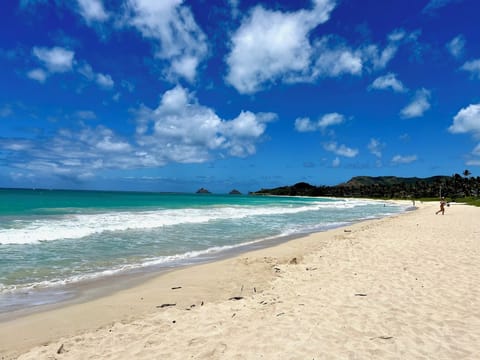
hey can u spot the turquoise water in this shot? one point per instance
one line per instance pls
(52, 238)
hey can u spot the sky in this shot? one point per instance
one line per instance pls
(176, 95)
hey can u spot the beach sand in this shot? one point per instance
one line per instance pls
(404, 287)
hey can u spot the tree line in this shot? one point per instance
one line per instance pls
(452, 187)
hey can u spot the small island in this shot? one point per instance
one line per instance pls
(203, 191)
(235, 192)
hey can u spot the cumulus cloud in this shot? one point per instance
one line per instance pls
(330, 119)
(378, 58)
(400, 159)
(103, 80)
(467, 120)
(473, 67)
(273, 46)
(456, 46)
(56, 59)
(39, 75)
(341, 150)
(306, 125)
(388, 81)
(92, 10)
(179, 40)
(182, 130)
(270, 45)
(419, 104)
(61, 60)
(178, 130)
(335, 60)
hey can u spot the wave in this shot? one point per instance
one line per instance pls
(187, 258)
(75, 226)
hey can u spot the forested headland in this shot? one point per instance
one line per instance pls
(454, 187)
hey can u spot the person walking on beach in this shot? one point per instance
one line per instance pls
(442, 207)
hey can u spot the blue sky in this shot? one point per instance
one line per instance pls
(176, 95)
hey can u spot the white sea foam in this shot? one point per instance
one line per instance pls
(77, 226)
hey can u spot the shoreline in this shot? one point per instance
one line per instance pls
(201, 293)
(55, 296)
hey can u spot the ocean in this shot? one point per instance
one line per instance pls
(54, 240)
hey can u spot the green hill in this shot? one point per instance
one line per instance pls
(390, 180)
(387, 187)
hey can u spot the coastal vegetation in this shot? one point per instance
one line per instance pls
(457, 187)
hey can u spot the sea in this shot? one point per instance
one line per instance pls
(52, 242)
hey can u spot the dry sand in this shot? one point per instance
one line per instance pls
(405, 287)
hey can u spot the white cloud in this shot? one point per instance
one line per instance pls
(60, 60)
(456, 46)
(473, 67)
(375, 147)
(306, 125)
(103, 80)
(56, 59)
(182, 130)
(39, 75)
(399, 159)
(379, 59)
(178, 130)
(72, 153)
(418, 105)
(92, 10)
(110, 145)
(274, 46)
(180, 41)
(341, 150)
(467, 120)
(330, 119)
(270, 45)
(388, 81)
(336, 60)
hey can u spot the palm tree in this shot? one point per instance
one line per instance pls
(467, 187)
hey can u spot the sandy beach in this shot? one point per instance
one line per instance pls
(404, 287)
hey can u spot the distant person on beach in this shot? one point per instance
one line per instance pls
(442, 207)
